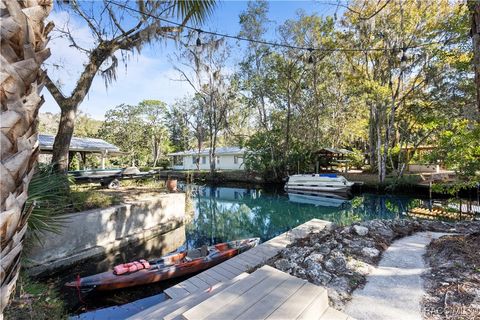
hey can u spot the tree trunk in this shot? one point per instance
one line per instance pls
(475, 10)
(69, 106)
(287, 137)
(61, 145)
(23, 41)
(156, 151)
(372, 136)
(213, 154)
(381, 160)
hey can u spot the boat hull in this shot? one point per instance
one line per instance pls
(319, 188)
(109, 281)
(319, 198)
(318, 183)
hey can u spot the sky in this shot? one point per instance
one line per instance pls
(151, 74)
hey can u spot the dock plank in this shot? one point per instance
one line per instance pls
(193, 300)
(297, 303)
(226, 271)
(199, 283)
(216, 275)
(202, 310)
(170, 306)
(176, 292)
(234, 264)
(189, 286)
(249, 261)
(265, 306)
(242, 302)
(265, 251)
(245, 264)
(318, 306)
(254, 255)
(207, 278)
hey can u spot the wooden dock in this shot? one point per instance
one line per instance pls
(243, 262)
(227, 291)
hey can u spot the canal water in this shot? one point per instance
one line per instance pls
(219, 214)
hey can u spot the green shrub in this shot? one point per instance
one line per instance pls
(357, 159)
(404, 182)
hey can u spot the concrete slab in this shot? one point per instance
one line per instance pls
(395, 288)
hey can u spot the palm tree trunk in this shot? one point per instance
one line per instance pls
(23, 41)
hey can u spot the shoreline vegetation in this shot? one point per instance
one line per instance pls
(93, 196)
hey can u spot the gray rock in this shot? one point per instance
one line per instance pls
(359, 266)
(283, 264)
(332, 244)
(340, 284)
(318, 275)
(336, 264)
(361, 231)
(290, 253)
(300, 273)
(322, 248)
(357, 245)
(370, 252)
(314, 258)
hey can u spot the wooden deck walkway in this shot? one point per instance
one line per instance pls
(243, 262)
(267, 293)
(229, 281)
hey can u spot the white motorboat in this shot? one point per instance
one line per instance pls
(322, 199)
(328, 182)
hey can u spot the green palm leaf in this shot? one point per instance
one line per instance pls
(48, 199)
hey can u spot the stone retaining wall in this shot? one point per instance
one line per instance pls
(90, 233)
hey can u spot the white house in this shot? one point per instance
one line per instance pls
(227, 158)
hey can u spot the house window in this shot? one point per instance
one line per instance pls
(237, 159)
(204, 160)
(218, 160)
(194, 160)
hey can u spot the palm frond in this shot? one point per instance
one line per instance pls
(48, 198)
(198, 11)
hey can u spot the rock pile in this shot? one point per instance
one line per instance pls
(339, 257)
(453, 285)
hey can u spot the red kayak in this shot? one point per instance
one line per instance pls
(170, 266)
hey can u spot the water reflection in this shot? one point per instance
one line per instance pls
(320, 199)
(221, 214)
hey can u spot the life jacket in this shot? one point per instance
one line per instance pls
(131, 267)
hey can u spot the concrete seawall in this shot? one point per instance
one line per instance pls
(90, 233)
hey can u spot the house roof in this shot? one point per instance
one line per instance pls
(79, 144)
(218, 151)
(333, 151)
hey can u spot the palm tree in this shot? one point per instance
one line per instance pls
(23, 41)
